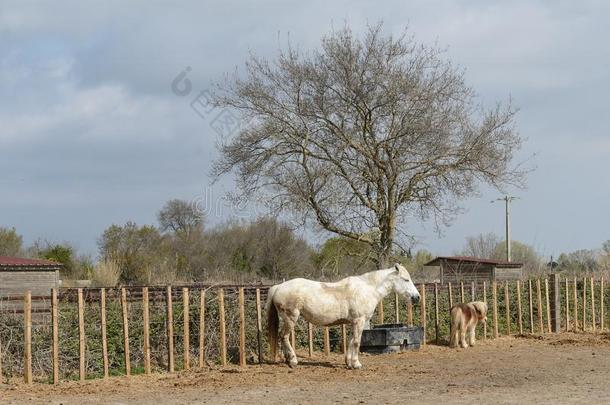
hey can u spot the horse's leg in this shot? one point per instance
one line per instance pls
(290, 319)
(349, 351)
(357, 327)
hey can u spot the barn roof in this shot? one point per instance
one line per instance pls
(474, 260)
(20, 263)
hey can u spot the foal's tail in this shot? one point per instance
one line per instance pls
(455, 315)
(273, 322)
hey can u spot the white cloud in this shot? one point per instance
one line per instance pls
(86, 110)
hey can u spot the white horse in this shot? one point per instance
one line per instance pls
(349, 301)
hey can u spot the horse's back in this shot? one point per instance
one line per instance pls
(315, 300)
(295, 288)
(466, 310)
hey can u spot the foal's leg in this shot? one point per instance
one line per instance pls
(354, 346)
(463, 330)
(290, 319)
(471, 334)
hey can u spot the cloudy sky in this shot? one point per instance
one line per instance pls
(92, 134)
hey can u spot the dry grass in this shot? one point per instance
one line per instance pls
(106, 274)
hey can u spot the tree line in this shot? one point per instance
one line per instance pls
(182, 248)
(582, 261)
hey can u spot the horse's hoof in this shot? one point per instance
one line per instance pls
(292, 363)
(357, 366)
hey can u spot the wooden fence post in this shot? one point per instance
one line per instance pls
(186, 329)
(409, 313)
(548, 305)
(494, 292)
(575, 297)
(450, 295)
(507, 307)
(485, 301)
(593, 320)
(105, 360)
(567, 304)
(125, 331)
(519, 309)
(555, 307)
(380, 314)
(170, 329)
(540, 314)
(146, 322)
(326, 341)
(223, 334)
(202, 328)
(531, 304)
(436, 320)
(81, 335)
(423, 312)
(27, 337)
(310, 338)
(1, 377)
(396, 308)
(601, 304)
(462, 298)
(584, 304)
(55, 327)
(259, 326)
(242, 328)
(473, 290)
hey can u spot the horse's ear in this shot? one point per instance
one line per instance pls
(480, 308)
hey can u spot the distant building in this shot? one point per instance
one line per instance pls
(451, 269)
(18, 275)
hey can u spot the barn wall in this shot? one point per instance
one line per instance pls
(431, 274)
(38, 282)
(466, 273)
(508, 273)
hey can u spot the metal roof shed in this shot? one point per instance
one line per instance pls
(450, 269)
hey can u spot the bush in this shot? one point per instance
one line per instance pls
(106, 274)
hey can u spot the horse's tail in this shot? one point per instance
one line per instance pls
(273, 323)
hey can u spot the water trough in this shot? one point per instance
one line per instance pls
(391, 338)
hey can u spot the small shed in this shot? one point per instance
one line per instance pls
(18, 275)
(451, 269)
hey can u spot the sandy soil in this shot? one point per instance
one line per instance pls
(566, 368)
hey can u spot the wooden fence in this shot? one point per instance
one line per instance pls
(114, 330)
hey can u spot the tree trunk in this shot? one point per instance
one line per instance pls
(384, 254)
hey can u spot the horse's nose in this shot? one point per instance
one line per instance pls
(415, 299)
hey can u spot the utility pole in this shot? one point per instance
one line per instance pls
(507, 199)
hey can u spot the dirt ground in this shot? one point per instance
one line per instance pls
(566, 368)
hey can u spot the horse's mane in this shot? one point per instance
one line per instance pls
(376, 275)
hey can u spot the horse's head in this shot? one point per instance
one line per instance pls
(403, 284)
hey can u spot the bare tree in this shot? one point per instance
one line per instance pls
(180, 216)
(362, 134)
(482, 245)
